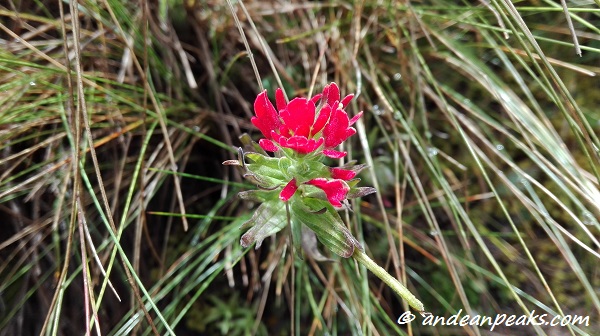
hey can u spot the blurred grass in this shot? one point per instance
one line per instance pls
(480, 129)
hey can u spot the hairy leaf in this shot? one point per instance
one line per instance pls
(269, 218)
(328, 226)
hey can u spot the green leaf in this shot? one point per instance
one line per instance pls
(263, 182)
(316, 169)
(310, 191)
(258, 195)
(269, 218)
(328, 226)
(303, 170)
(265, 170)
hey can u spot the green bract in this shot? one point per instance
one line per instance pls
(269, 218)
(321, 217)
(309, 205)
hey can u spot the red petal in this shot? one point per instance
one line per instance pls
(335, 190)
(355, 118)
(266, 118)
(267, 145)
(334, 154)
(285, 131)
(316, 98)
(321, 120)
(303, 130)
(278, 138)
(344, 174)
(288, 191)
(331, 94)
(337, 131)
(299, 116)
(346, 100)
(295, 142)
(301, 144)
(316, 143)
(280, 99)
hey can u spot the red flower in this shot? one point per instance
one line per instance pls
(335, 190)
(298, 126)
(288, 191)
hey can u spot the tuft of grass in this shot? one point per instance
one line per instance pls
(480, 131)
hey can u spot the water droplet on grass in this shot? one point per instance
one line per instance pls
(378, 110)
(588, 218)
(432, 151)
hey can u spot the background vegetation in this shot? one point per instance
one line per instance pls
(480, 131)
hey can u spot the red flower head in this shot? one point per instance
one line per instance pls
(298, 126)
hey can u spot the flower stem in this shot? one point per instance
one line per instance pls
(394, 284)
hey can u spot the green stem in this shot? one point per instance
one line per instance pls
(394, 284)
